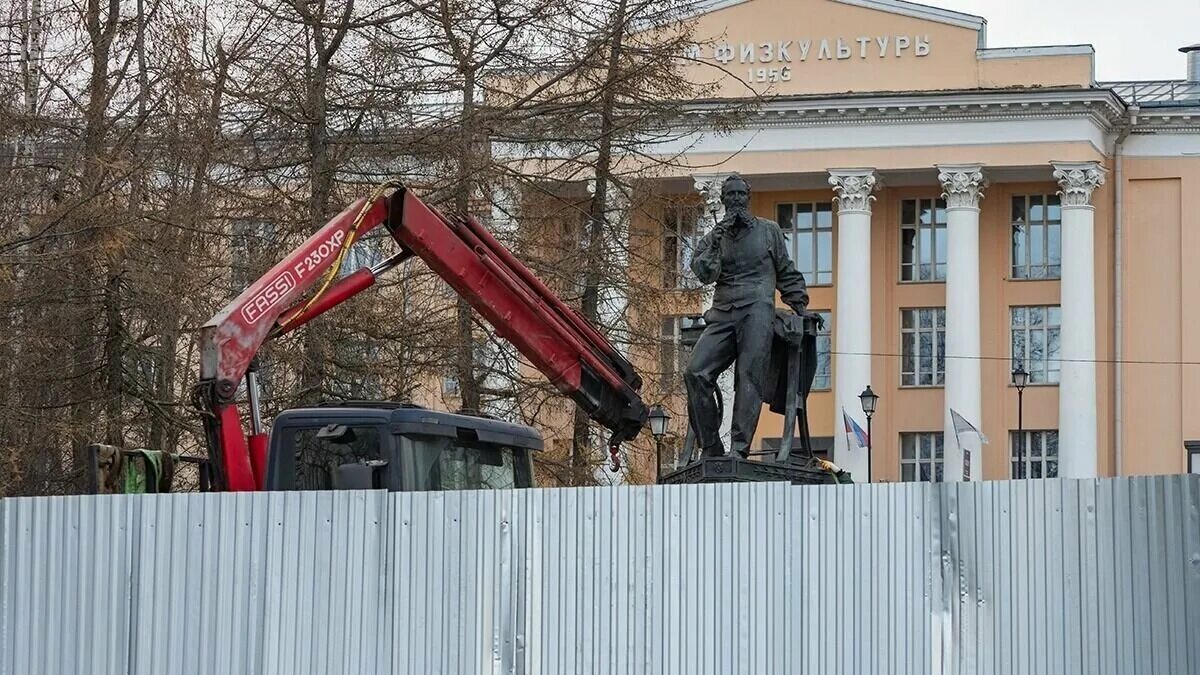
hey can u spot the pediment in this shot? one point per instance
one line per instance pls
(799, 47)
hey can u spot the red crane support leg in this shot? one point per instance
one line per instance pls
(258, 459)
(235, 458)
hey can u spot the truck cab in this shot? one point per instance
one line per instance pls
(351, 445)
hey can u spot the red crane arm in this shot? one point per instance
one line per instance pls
(559, 342)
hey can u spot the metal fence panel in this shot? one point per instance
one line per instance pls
(999, 577)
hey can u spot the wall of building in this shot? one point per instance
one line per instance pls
(800, 135)
(1161, 303)
(950, 59)
(912, 409)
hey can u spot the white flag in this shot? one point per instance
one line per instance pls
(962, 425)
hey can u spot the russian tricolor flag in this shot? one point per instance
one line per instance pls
(852, 429)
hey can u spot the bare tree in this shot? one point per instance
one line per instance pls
(159, 155)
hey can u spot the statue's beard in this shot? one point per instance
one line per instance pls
(736, 215)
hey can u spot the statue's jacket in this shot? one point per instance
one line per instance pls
(748, 264)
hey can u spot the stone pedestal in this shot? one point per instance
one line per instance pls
(737, 470)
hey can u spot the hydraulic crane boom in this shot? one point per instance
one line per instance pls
(559, 342)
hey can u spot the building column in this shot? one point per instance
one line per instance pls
(1077, 402)
(852, 316)
(962, 187)
(709, 188)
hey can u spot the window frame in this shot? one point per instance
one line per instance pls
(938, 205)
(282, 467)
(1027, 437)
(250, 242)
(939, 347)
(825, 333)
(1191, 454)
(1045, 329)
(679, 276)
(355, 378)
(790, 235)
(934, 461)
(668, 380)
(1046, 224)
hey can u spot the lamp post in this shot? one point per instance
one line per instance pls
(1020, 378)
(869, 400)
(659, 420)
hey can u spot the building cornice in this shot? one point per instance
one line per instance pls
(1103, 106)
(1173, 120)
(1026, 52)
(924, 12)
(911, 9)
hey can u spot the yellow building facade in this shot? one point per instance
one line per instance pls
(958, 211)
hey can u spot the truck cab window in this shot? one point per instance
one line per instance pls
(320, 450)
(447, 464)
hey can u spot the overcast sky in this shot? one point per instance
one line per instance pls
(1134, 39)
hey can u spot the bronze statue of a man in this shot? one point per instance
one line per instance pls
(748, 259)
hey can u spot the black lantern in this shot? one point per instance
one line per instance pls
(869, 400)
(1020, 378)
(659, 421)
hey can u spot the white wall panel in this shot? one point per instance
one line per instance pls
(1095, 576)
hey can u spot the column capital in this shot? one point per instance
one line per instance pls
(962, 184)
(1078, 180)
(853, 188)
(708, 185)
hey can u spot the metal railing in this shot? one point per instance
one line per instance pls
(1157, 92)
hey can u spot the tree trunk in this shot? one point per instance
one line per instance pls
(315, 371)
(598, 231)
(464, 356)
(101, 28)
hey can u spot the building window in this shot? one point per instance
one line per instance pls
(679, 243)
(250, 246)
(921, 456)
(1036, 237)
(364, 252)
(808, 230)
(923, 344)
(1037, 452)
(823, 380)
(353, 375)
(1193, 456)
(923, 243)
(1035, 342)
(676, 338)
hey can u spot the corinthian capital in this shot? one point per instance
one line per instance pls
(708, 185)
(962, 184)
(1078, 180)
(853, 188)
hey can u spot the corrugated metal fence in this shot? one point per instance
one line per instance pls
(1049, 576)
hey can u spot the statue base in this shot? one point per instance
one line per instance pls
(734, 469)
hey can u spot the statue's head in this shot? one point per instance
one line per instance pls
(735, 192)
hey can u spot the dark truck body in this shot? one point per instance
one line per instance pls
(405, 447)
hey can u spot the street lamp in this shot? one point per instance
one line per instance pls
(659, 420)
(1020, 378)
(869, 400)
